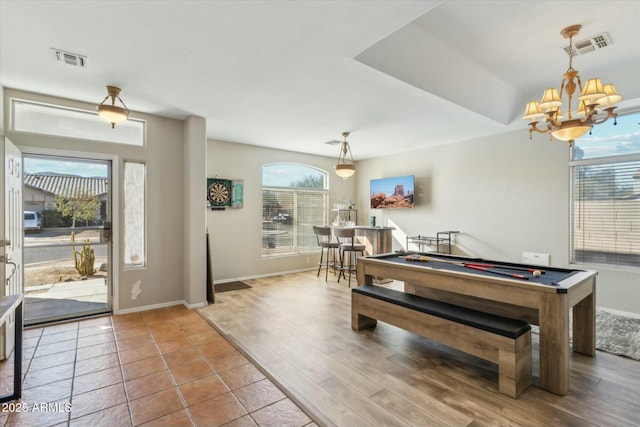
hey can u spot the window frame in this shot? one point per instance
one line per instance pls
(612, 161)
(144, 259)
(137, 128)
(297, 249)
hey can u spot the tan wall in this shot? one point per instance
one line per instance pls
(236, 234)
(506, 195)
(35, 200)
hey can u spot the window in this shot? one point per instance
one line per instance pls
(294, 199)
(605, 193)
(134, 214)
(36, 117)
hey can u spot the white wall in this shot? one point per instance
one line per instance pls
(236, 234)
(162, 280)
(505, 194)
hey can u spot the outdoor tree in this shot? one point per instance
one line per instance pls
(79, 205)
(309, 181)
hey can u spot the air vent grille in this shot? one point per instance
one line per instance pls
(589, 45)
(69, 58)
(333, 142)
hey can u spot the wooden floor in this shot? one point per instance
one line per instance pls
(298, 329)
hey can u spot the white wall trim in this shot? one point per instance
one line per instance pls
(260, 276)
(196, 305)
(150, 307)
(619, 312)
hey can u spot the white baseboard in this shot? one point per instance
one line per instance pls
(162, 305)
(261, 276)
(620, 313)
(150, 307)
(196, 305)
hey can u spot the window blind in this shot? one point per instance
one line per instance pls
(606, 213)
(311, 210)
(288, 217)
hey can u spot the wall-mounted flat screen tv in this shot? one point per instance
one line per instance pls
(392, 193)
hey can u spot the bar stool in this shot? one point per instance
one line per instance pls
(348, 247)
(323, 236)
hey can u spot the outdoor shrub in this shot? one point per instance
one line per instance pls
(52, 218)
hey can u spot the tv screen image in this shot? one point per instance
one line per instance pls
(392, 193)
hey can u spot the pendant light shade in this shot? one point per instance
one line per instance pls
(111, 112)
(345, 167)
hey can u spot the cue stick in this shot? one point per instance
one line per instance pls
(466, 265)
(502, 273)
(506, 267)
(479, 264)
(425, 258)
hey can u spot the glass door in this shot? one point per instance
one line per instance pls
(67, 237)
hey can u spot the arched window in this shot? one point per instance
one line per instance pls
(294, 199)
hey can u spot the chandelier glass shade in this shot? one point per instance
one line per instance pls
(345, 167)
(111, 112)
(593, 105)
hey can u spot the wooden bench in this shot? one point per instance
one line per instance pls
(504, 341)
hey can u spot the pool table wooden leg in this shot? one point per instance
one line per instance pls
(554, 343)
(584, 331)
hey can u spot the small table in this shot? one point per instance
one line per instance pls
(14, 304)
(427, 240)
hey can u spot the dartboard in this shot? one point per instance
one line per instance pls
(219, 193)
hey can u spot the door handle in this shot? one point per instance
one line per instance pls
(7, 242)
(7, 260)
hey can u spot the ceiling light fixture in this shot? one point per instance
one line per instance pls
(112, 113)
(345, 167)
(594, 98)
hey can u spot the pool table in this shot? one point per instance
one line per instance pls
(544, 301)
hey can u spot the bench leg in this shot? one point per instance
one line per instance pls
(360, 322)
(515, 367)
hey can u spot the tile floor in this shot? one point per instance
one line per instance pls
(165, 367)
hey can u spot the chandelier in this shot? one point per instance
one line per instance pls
(594, 98)
(345, 167)
(112, 113)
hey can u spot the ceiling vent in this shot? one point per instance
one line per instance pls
(333, 142)
(589, 45)
(69, 58)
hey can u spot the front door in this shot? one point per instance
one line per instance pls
(67, 255)
(11, 257)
